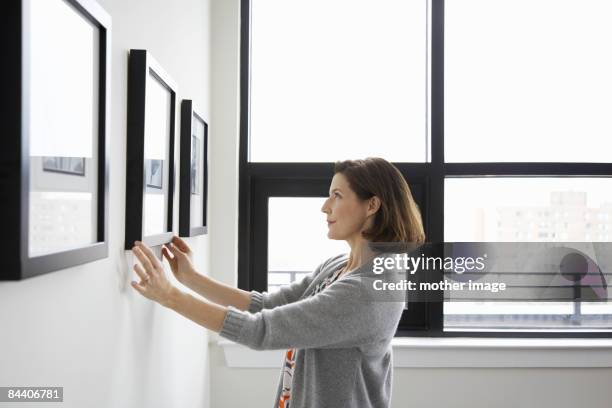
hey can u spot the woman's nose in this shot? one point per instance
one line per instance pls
(325, 207)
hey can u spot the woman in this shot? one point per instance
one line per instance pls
(337, 340)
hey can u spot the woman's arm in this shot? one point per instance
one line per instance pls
(178, 254)
(342, 315)
(218, 292)
(206, 314)
(251, 301)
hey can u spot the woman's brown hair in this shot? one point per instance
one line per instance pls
(398, 219)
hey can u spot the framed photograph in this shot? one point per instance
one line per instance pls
(194, 165)
(150, 151)
(154, 171)
(53, 161)
(65, 165)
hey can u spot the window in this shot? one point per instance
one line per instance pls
(338, 79)
(512, 209)
(499, 133)
(296, 239)
(527, 80)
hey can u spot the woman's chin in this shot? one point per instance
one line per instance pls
(333, 236)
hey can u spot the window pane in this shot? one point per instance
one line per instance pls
(512, 209)
(527, 80)
(297, 239)
(528, 210)
(338, 79)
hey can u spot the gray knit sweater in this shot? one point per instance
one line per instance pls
(342, 336)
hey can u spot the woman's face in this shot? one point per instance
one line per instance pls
(347, 215)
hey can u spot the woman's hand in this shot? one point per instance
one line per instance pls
(153, 284)
(180, 260)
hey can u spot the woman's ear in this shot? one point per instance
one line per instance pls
(373, 205)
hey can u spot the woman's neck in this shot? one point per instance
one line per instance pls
(360, 252)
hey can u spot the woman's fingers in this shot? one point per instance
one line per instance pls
(166, 254)
(144, 260)
(175, 251)
(154, 284)
(182, 245)
(147, 251)
(138, 287)
(140, 272)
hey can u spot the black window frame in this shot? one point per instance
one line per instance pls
(260, 181)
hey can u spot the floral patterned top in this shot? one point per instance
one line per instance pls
(289, 364)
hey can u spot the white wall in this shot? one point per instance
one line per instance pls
(85, 328)
(412, 387)
(225, 63)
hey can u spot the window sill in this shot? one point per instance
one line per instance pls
(427, 352)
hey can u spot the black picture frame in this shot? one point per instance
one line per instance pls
(15, 153)
(187, 181)
(141, 68)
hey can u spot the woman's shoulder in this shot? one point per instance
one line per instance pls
(330, 264)
(334, 262)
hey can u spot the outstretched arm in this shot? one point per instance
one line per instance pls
(179, 255)
(218, 292)
(336, 317)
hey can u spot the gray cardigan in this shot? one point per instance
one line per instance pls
(342, 336)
